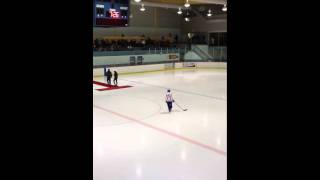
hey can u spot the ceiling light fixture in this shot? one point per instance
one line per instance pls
(179, 12)
(209, 13)
(142, 8)
(224, 8)
(187, 17)
(187, 4)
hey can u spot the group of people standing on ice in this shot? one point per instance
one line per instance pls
(109, 76)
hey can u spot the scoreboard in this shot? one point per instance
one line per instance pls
(111, 13)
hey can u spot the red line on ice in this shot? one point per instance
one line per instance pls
(108, 87)
(165, 131)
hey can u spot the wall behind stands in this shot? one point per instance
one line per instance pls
(155, 21)
(200, 24)
(157, 67)
(147, 58)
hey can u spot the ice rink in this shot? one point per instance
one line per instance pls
(136, 138)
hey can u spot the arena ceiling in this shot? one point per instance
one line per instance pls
(179, 3)
(182, 2)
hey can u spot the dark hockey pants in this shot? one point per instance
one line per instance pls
(169, 106)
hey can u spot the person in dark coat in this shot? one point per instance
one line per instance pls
(109, 76)
(115, 80)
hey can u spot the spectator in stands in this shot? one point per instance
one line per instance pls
(108, 44)
(212, 41)
(203, 40)
(143, 42)
(94, 47)
(96, 41)
(96, 44)
(123, 44)
(176, 39)
(103, 44)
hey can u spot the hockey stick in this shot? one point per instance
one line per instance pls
(180, 106)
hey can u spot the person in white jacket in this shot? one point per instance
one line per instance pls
(169, 100)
